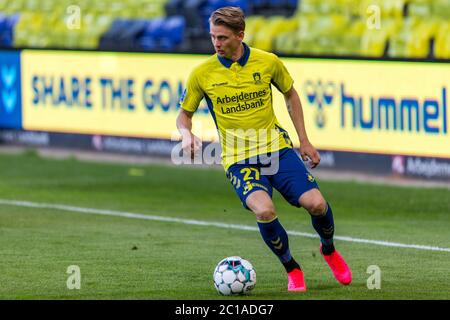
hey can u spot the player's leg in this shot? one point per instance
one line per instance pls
(321, 217)
(323, 222)
(255, 192)
(275, 236)
(272, 232)
(300, 189)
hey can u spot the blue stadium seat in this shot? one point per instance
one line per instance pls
(149, 39)
(212, 5)
(257, 3)
(7, 24)
(216, 4)
(174, 7)
(278, 4)
(122, 34)
(273, 7)
(174, 29)
(192, 10)
(148, 44)
(155, 28)
(273, 3)
(135, 29)
(162, 34)
(2, 23)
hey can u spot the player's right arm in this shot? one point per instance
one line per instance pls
(189, 103)
(284, 83)
(190, 143)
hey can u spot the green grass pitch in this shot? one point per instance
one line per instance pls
(124, 258)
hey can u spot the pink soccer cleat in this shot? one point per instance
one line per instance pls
(337, 264)
(296, 280)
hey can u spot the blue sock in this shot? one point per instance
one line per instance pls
(324, 225)
(276, 239)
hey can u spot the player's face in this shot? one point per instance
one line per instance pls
(225, 41)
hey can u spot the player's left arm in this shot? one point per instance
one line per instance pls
(294, 106)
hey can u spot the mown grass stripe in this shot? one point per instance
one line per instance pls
(141, 216)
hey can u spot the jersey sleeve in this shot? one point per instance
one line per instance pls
(281, 78)
(192, 95)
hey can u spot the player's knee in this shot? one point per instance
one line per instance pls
(317, 206)
(265, 213)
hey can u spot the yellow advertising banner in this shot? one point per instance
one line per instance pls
(123, 94)
(373, 106)
(359, 106)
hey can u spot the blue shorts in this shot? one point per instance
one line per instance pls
(292, 179)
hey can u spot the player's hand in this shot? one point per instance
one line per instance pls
(191, 145)
(310, 154)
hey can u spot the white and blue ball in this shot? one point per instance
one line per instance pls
(233, 276)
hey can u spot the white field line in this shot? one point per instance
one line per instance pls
(203, 223)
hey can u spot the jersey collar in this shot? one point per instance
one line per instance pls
(242, 60)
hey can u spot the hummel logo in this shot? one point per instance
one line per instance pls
(320, 94)
(328, 231)
(9, 95)
(277, 243)
(8, 75)
(220, 84)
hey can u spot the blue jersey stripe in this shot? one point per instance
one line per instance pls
(211, 109)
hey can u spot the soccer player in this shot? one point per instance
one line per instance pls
(236, 83)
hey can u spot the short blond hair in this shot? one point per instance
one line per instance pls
(230, 17)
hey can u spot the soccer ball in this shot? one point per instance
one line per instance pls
(234, 275)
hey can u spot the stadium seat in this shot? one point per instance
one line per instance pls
(3, 31)
(441, 48)
(212, 5)
(374, 42)
(7, 24)
(123, 34)
(387, 8)
(40, 23)
(162, 34)
(319, 34)
(285, 43)
(318, 7)
(349, 42)
(269, 8)
(191, 11)
(263, 39)
(174, 7)
(441, 8)
(413, 40)
(175, 28)
(252, 26)
(409, 28)
(419, 8)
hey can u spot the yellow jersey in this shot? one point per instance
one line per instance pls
(239, 98)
